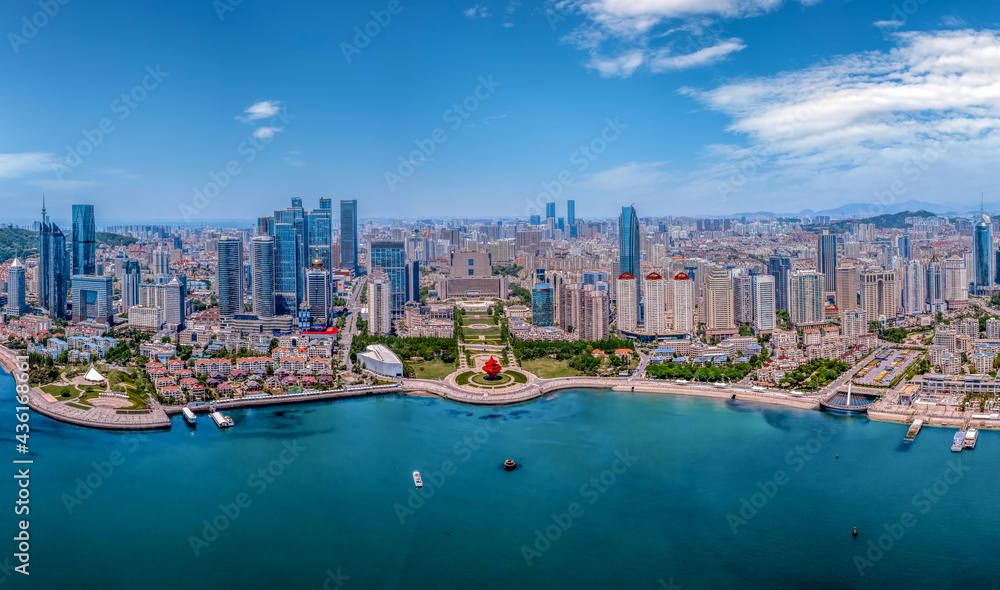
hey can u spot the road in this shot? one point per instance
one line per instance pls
(351, 325)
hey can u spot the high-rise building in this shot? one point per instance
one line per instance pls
(571, 217)
(413, 281)
(389, 257)
(627, 310)
(542, 305)
(349, 235)
(229, 276)
(131, 279)
(903, 244)
(594, 317)
(53, 267)
(807, 298)
(780, 267)
(15, 289)
(983, 261)
(719, 317)
(764, 311)
(174, 298)
(914, 291)
(262, 268)
(848, 286)
(828, 261)
(682, 294)
(656, 309)
(935, 285)
(160, 263)
(379, 308)
(956, 282)
(84, 241)
(743, 293)
(287, 242)
(628, 253)
(320, 226)
(318, 292)
(879, 297)
(550, 210)
(854, 323)
(93, 299)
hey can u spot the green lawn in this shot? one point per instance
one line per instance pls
(463, 379)
(472, 334)
(433, 369)
(78, 406)
(548, 368)
(61, 392)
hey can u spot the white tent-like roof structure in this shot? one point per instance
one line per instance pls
(93, 375)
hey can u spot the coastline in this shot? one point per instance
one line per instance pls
(159, 418)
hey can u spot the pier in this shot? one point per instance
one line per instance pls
(912, 432)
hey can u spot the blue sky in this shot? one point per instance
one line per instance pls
(695, 106)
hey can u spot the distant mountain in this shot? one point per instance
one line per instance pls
(892, 220)
(867, 209)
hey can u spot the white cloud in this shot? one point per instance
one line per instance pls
(667, 35)
(14, 165)
(888, 24)
(621, 66)
(634, 178)
(666, 61)
(953, 22)
(261, 110)
(266, 132)
(477, 11)
(919, 121)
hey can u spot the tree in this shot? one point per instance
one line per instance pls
(744, 330)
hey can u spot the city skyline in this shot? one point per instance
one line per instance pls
(668, 102)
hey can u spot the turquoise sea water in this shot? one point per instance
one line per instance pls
(339, 497)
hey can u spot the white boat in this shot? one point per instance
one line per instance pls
(188, 414)
(971, 436)
(416, 479)
(220, 420)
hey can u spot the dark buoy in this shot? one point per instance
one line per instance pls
(855, 531)
(509, 465)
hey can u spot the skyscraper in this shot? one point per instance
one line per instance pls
(914, 289)
(956, 282)
(229, 276)
(682, 293)
(542, 305)
(828, 261)
(627, 311)
(287, 242)
(719, 316)
(743, 293)
(379, 314)
(15, 289)
(318, 292)
(131, 278)
(848, 285)
(389, 257)
(93, 299)
(656, 309)
(320, 225)
(628, 253)
(84, 241)
(174, 298)
(262, 285)
(764, 318)
(571, 217)
(879, 297)
(903, 244)
(53, 267)
(983, 261)
(780, 268)
(550, 210)
(806, 298)
(349, 235)
(935, 286)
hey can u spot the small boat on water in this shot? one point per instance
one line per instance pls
(188, 415)
(958, 443)
(416, 479)
(971, 436)
(220, 420)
